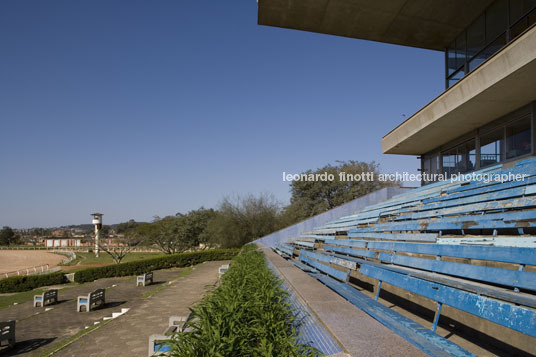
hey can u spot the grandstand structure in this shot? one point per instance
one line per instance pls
(449, 266)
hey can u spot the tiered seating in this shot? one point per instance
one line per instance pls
(418, 241)
(460, 208)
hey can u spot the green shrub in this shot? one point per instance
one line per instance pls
(145, 265)
(17, 284)
(247, 315)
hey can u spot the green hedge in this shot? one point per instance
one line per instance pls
(145, 265)
(249, 314)
(17, 284)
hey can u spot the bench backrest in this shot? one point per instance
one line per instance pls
(97, 295)
(7, 330)
(50, 294)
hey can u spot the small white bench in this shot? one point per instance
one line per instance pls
(144, 279)
(94, 298)
(7, 333)
(46, 297)
(223, 269)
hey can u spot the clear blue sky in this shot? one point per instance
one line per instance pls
(142, 108)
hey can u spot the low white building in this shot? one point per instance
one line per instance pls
(58, 242)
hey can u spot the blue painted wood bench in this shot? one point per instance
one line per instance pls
(310, 259)
(285, 249)
(423, 338)
(353, 263)
(502, 220)
(505, 314)
(446, 198)
(389, 252)
(302, 243)
(465, 295)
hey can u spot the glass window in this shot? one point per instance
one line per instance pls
(460, 50)
(476, 37)
(456, 77)
(496, 20)
(490, 147)
(518, 138)
(451, 59)
(520, 8)
(460, 159)
(493, 47)
(466, 157)
(430, 167)
(449, 162)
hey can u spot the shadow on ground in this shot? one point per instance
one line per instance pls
(22, 347)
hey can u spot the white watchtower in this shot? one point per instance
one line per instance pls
(97, 221)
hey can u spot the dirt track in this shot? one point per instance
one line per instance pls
(11, 260)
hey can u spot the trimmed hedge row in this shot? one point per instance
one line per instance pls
(145, 265)
(17, 284)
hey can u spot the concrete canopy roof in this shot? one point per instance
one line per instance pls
(502, 84)
(429, 24)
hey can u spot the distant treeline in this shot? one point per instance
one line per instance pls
(242, 219)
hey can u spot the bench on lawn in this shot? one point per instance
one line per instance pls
(144, 279)
(7, 333)
(93, 299)
(157, 342)
(50, 296)
(223, 269)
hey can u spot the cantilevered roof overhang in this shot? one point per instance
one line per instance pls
(502, 84)
(430, 24)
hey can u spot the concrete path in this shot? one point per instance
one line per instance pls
(38, 330)
(128, 335)
(357, 332)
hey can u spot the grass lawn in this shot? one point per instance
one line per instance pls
(19, 298)
(8, 299)
(90, 259)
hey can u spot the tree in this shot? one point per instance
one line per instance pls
(8, 236)
(169, 235)
(123, 227)
(312, 197)
(122, 245)
(241, 220)
(195, 226)
(175, 234)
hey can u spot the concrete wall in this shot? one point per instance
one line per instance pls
(344, 210)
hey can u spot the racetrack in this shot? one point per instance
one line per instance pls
(13, 260)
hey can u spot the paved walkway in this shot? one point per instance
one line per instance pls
(128, 335)
(38, 330)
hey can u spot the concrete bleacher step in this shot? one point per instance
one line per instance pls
(426, 340)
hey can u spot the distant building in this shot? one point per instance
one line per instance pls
(62, 242)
